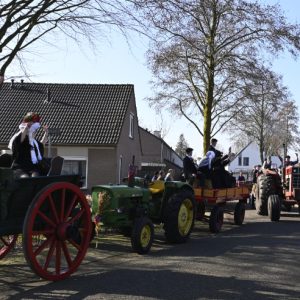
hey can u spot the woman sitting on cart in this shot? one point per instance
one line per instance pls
(27, 152)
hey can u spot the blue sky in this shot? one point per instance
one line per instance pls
(115, 62)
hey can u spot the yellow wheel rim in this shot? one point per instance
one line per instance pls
(145, 236)
(185, 217)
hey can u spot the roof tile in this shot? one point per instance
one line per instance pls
(85, 113)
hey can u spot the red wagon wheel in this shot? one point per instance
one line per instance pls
(7, 242)
(56, 231)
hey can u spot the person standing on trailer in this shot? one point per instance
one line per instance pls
(189, 168)
(27, 152)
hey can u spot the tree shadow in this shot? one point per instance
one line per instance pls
(156, 284)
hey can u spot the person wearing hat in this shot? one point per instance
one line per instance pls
(212, 147)
(27, 152)
(288, 161)
(189, 168)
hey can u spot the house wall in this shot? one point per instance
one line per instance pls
(156, 155)
(152, 147)
(156, 150)
(101, 163)
(101, 166)
(128, 146)
(252, 152)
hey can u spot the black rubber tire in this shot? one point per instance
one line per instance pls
(173, 232)
(266, 185)
(216, 219)
(239, 213)
(274, 205)
(141, 226)
(252, 201)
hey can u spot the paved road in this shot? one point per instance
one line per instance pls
(259, 260)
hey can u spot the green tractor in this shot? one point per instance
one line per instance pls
(135, 207)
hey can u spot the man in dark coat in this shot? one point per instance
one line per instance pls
(189, 168)
(212, 147)
(288, 161)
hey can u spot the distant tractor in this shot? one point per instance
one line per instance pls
(274, 192)
(292, 187)
(133, 208)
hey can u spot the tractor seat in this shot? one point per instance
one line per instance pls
(156, 186)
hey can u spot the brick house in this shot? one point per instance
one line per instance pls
(157, 154)
(94, 126)
(97, 123)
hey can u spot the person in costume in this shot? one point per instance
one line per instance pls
(27, 152)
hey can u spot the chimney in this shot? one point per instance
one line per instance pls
(48, 100)
(12, 83)
(22, 83)
(157, 133)
(48, 94)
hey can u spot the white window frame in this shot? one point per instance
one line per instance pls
(131, 125)
(80, 158)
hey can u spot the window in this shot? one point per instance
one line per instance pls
(245, 161)
(131, 125)
(76, 166)
(240, 161)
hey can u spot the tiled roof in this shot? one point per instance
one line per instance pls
(85, 113)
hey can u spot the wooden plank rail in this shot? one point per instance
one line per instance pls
(221, 195)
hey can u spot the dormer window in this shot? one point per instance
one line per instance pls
(131, 125)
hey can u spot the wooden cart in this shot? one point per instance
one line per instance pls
(52, 215)
(216, 199)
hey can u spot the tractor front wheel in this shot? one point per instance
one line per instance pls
(274, 208)
(179, 217)
(142, 235)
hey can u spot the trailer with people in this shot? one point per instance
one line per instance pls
(215, 200)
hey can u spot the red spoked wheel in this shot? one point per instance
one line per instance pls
(7, 242)
(57, 230)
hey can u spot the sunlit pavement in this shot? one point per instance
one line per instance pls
(258, 260)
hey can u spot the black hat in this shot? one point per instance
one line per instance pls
(189, 150)
(287, 156)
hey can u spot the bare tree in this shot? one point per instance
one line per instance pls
(285, 129)
(203, 48)
(268, 117)
(181, 146)
(25, 22)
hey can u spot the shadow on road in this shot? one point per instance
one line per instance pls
(258, 260)
(158, 284)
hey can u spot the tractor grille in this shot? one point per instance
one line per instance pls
(296, 180)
